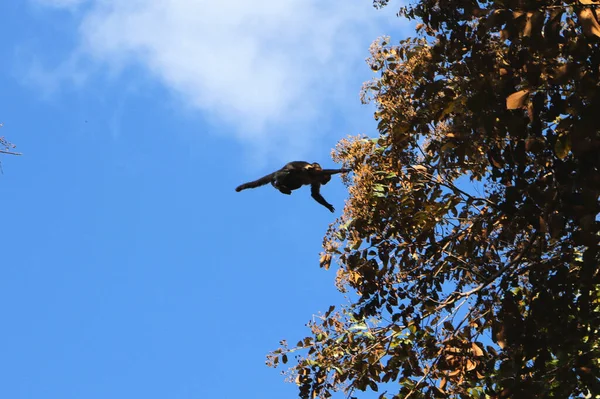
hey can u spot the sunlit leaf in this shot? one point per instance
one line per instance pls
(471, 365)
(517, 100)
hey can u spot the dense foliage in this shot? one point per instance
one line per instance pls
(468, 248)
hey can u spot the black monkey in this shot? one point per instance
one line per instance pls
(295, 175)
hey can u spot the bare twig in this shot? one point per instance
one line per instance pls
(10, 152)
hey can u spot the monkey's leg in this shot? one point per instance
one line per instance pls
(286, 180)
(279, 181)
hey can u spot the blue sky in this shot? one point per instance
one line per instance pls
(131, 267)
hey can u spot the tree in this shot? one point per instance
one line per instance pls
(468, 248)
(6, 147)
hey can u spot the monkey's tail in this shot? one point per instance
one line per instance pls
(256, 183)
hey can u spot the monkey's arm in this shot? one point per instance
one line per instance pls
(334, 171)
(256, 183)
(315, 192)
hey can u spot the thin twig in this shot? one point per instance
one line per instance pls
(10, 152)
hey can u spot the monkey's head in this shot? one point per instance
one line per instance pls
(313, 170)
(313, 167)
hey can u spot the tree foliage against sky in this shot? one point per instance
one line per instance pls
(7, 147)
(469, 245)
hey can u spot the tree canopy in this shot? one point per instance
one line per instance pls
(468, 247)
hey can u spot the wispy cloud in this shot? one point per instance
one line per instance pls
(255, 65)
(60, 3)
(47, 81)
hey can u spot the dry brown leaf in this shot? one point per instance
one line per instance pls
(325, 260)
(517, 99)
(471, 365)
(528, 25)
(543, 225)
(443, 382)
(588, 2)
(589, 24)
(454, 372)
(477, 351)
(530, 111)
(420, 168)
(500, 337)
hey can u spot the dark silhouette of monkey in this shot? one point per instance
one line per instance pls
(295, 175)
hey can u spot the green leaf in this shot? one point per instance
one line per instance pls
(373, 386)
(562, 147)
(358, 327)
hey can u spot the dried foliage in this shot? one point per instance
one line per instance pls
(469, 244)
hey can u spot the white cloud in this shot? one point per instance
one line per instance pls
(257, 65)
